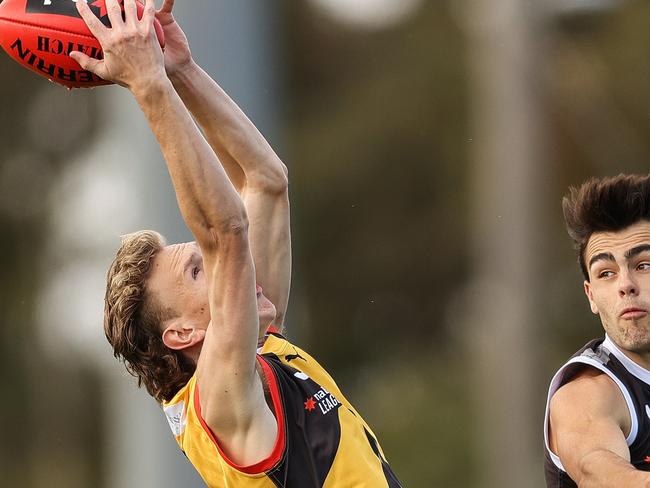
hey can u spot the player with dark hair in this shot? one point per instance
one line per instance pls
(597, 424)
(191, 320)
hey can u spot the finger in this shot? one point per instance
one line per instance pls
(89, 64)
(149, 12)
(167, 7)
(114, 10)
(95, 25)
(130, 12)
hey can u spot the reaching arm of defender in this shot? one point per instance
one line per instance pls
(231, 392)
(588, 421)
(252, 165)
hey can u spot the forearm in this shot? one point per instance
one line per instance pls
(242, 148)
(257, 173)
(207, 199)
(604, 469)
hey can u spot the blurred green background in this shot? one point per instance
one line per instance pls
(376, 119)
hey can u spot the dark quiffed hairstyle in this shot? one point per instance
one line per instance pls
(133, 319)
(605, 205)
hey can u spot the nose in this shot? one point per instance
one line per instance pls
(627, 286)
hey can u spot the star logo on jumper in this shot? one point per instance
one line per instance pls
(647, 459)
(310, 404)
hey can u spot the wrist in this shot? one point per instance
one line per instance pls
(148, 90)
(184, 73)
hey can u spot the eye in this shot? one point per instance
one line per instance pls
(195, 271)
(605, 274)
(643, 266)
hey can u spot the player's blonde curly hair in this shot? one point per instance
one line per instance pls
(133, 318)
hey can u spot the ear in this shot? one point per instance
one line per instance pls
(178, 336)
(590, 296)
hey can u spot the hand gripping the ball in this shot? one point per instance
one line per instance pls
(177, 50)
(133, 57)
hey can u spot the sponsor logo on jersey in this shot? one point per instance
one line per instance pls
(291, 357)
(600, 354)
(174, 414)
(310, 404)
(325, 401)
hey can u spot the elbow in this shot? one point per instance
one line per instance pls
(586, 467)
(235, 225)
(283, 179)
(272, 179)
(278, 184)
(218, 231)
(285, 173)
(599, 463)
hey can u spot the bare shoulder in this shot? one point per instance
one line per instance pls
(589, 390)
(588, 412)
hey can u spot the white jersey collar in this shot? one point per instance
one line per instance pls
(634, 369)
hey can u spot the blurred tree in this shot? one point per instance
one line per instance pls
(377, 140)
(379, 148)
(49, 411)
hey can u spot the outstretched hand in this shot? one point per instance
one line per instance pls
(177, 49)
(132, 54)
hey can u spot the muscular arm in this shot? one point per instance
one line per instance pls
(232, 397)
(255, 170)
(252, 165)
(588, 424)
(231, 392)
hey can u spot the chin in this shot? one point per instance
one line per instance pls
(635, 339)
(267, 317)
(266, 312)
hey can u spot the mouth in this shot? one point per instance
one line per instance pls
(258, 290)
(632, 313)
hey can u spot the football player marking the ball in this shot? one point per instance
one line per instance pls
(190, 320)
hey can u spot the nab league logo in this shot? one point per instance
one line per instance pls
(67, 8)
(324, 400)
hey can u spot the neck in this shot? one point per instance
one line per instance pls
(193, 353)
(637, 364)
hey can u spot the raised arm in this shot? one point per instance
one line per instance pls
(231, 393)
(589, 421)
(252, 165)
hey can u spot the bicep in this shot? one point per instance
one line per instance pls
(588, 418)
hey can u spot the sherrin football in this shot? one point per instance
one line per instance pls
(40, 34)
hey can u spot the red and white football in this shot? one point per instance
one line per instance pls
(40, 34)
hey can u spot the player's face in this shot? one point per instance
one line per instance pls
(178, 280)
(619, 285)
